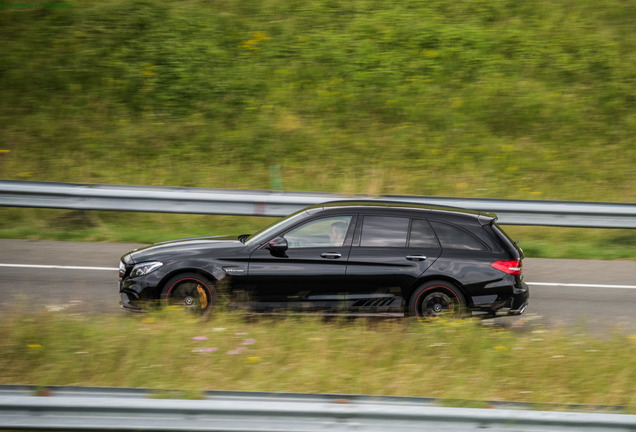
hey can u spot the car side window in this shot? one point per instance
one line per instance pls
(324, 232)
(452, 237)
(382, 231)
(422, 234)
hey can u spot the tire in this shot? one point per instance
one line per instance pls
(195, 293)
(437, 299)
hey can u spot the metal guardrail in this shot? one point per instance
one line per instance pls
(157, 199)
(112, 409)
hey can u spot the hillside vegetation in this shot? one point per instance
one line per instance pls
(471, 98)
(477, 98)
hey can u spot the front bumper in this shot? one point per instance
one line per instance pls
(130, 301)
(138, 294)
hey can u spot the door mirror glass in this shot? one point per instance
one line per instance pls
(277, 246)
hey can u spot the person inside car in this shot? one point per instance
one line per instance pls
(337, 233)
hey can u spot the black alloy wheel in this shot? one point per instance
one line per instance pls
(194, 293)
(437, 299)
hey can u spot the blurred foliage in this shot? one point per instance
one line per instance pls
(495, 98)
(452, 360)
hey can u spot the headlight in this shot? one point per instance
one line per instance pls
(122, 270)
(145, 268)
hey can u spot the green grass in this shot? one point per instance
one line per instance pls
(116, 227)
(63, 225)
(575, 243)
(471, 98)
(451, 360)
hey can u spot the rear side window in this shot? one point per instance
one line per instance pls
(452, 237)
(379, 231)
(422, 235)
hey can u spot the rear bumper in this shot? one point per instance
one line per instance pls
(520, 310)
(507, 305)
(520, 299)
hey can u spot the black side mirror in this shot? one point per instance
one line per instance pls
(277, 246)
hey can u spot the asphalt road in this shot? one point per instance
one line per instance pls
(82, 277)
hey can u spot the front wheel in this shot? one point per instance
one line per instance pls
(437, 299)
(194, 293)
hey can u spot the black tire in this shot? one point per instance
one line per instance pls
(195, 293)
(437, 299)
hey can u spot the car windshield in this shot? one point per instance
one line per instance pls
(280, 225)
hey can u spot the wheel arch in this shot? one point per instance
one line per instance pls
(441, 278)
(183, 270)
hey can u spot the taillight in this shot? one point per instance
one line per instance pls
(513, 267)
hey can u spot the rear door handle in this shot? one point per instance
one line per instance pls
(415, 257)
(331, 255)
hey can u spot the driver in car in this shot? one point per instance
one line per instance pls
(337, 233)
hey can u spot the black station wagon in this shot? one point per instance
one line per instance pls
(339, 257)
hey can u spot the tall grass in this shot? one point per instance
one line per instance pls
(467, 98)
(448, 360)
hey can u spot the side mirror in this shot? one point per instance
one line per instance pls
(277, 246)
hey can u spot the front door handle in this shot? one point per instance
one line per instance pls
(415, 257)
(331, 255)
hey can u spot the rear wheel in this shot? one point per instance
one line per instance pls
(194, 293)
(437, 299)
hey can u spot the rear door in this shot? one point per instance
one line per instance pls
(388, 255)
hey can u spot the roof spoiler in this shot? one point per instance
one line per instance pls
(487, 218)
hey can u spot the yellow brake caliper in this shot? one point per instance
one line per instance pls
(203, 298)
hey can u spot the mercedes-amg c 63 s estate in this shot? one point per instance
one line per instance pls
(339, 257)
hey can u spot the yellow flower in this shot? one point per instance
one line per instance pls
(254, 359)
(252, 44)
(259, 35)
(35, 346)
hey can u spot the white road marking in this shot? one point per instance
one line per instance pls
(577, 285)
(58, 267)
(555, 284)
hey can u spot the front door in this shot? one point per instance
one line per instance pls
(311, 272)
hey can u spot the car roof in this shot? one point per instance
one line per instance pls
(400, 205)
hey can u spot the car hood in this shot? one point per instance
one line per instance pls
(184, 247)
